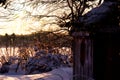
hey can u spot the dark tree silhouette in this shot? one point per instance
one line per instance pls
(3, 2)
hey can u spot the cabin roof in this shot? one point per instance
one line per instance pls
(101, 18)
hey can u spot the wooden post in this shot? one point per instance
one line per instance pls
(83, 56)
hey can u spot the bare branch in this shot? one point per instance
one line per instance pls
(70, 4)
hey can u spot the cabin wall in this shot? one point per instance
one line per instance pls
(96, 56)
(106, 56)
(83, 56)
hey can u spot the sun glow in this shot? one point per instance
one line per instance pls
(19, 17)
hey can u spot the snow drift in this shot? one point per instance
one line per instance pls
(56, 74)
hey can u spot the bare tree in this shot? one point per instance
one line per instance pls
(78, 8)
(71, 10)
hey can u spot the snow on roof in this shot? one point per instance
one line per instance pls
(98, 14)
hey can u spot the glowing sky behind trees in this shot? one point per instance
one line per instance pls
(23, 16)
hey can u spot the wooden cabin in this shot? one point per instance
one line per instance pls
(96, 49)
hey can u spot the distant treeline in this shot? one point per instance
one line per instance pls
(47, 38)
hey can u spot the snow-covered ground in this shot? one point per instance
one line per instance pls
(56, 74)
(40, 66)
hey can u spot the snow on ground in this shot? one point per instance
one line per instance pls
(56, 74)
(59, 72)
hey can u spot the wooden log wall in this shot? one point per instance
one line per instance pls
(83, 56)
